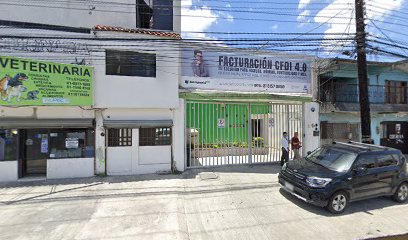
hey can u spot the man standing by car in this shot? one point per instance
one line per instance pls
(285, 148)
(296, 145)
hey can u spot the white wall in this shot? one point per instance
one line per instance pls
(72, 13)
(70, 168)
(150, 155)
(119, 160)
(100, 138)
(46, 112)
(136, 114)
(179, 134)
(139, 92)
(311, 123)
(8, 171)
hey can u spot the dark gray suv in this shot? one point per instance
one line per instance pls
(335, 175)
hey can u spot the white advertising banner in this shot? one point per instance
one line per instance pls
(240, 71)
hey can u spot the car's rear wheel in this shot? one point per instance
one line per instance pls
(338, 202)
(401, 195)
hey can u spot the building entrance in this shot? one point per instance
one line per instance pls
(238, 133)
(34, 152)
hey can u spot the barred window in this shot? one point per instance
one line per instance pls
(155, 136)
(119, 137)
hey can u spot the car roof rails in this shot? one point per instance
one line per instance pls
(351, 145)
(369, 145)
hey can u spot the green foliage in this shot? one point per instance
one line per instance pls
(215, 146)
(258, 142)
(244, 144)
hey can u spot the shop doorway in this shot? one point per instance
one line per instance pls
(34, 152)
(238, 133)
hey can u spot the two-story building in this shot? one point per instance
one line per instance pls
(81, 97)
(339, 113)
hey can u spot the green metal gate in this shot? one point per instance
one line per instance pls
(238, 133)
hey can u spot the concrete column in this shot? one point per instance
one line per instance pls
(100, 135)
(311, 124)
(179, 136)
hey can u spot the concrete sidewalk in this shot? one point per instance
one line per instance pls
(223, 203)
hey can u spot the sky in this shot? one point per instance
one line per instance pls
(300, 16)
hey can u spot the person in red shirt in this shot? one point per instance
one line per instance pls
(296, 145)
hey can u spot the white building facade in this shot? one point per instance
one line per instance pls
(129, 123)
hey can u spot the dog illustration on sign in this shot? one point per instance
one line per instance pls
(4, 84)
(32, 95)
(16, 91)
(12, 87)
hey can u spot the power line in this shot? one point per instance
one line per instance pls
(180, 15)
(300, 35)
(382, 7)
(217, 1)
(389, 30)
(387, 22)
(347, 29)
(379, 29)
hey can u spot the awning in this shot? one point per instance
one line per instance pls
(137, 123)
(45, 123)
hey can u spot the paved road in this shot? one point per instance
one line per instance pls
(230, 203)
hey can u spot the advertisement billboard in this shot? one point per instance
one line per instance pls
(243, 71)
(39, 83)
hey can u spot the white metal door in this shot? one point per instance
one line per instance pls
(121, 153)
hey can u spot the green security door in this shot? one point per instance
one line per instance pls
(237, 133)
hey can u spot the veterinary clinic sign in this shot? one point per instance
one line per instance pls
(36, 83)
(243, 71)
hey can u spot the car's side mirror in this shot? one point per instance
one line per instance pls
(309, 152)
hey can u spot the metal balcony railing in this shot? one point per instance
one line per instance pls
(348, 93)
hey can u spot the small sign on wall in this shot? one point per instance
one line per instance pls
(271, 122)
(398, 128)
(44, 145)
(29, 142)
(221, 123)
(71, 143)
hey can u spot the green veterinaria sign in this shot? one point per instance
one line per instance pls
(38, 83)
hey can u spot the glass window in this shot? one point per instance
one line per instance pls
(155, 136)
(367, 161)
(71, 143)
(155, 14)
(332, 158)
(8, 144)
(126, 63)
(387, 160)
(120, 137)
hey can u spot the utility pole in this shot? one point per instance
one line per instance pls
(362, 73)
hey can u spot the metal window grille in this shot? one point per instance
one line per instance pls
(342, 132)
(120, 137)
(155, 136)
